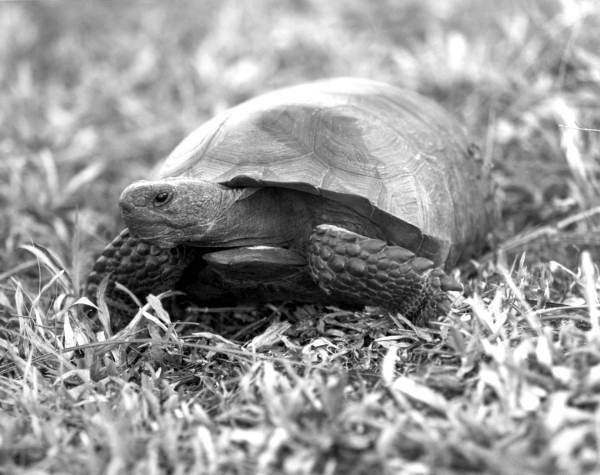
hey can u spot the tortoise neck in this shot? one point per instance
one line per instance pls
(263, 216)
(280, 217)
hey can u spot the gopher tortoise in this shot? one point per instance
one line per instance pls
(343, 191)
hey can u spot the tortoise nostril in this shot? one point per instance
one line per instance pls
(126, 206)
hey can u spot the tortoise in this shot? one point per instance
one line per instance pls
(344, 191)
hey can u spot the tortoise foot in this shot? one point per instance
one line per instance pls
(371, 271)
(140, 267)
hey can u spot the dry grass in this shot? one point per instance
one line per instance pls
(93, 94)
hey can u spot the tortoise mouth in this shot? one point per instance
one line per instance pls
(155, 229)
(149, 227)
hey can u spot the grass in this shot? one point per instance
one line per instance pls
(92, 95)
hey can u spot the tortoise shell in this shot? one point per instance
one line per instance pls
(391, 155)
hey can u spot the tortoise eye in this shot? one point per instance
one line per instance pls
(161, 198)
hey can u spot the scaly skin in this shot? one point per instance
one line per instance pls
(141, 267)
(377, 274)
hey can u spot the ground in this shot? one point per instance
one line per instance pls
(93, 94)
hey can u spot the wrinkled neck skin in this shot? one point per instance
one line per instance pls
(252, 217)
(279, 217)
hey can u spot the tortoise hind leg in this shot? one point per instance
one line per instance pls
(141, 267)
(370, 271)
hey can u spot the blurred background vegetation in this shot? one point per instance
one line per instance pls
(94, 93)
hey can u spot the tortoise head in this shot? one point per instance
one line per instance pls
(173, 211)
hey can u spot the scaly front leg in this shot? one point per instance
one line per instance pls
(141, 267)
(375, 273)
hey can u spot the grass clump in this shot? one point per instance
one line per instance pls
(508, 382)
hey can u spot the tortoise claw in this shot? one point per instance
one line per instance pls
(446, 282)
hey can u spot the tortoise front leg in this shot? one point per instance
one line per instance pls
(141, 267)
(371, 271)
